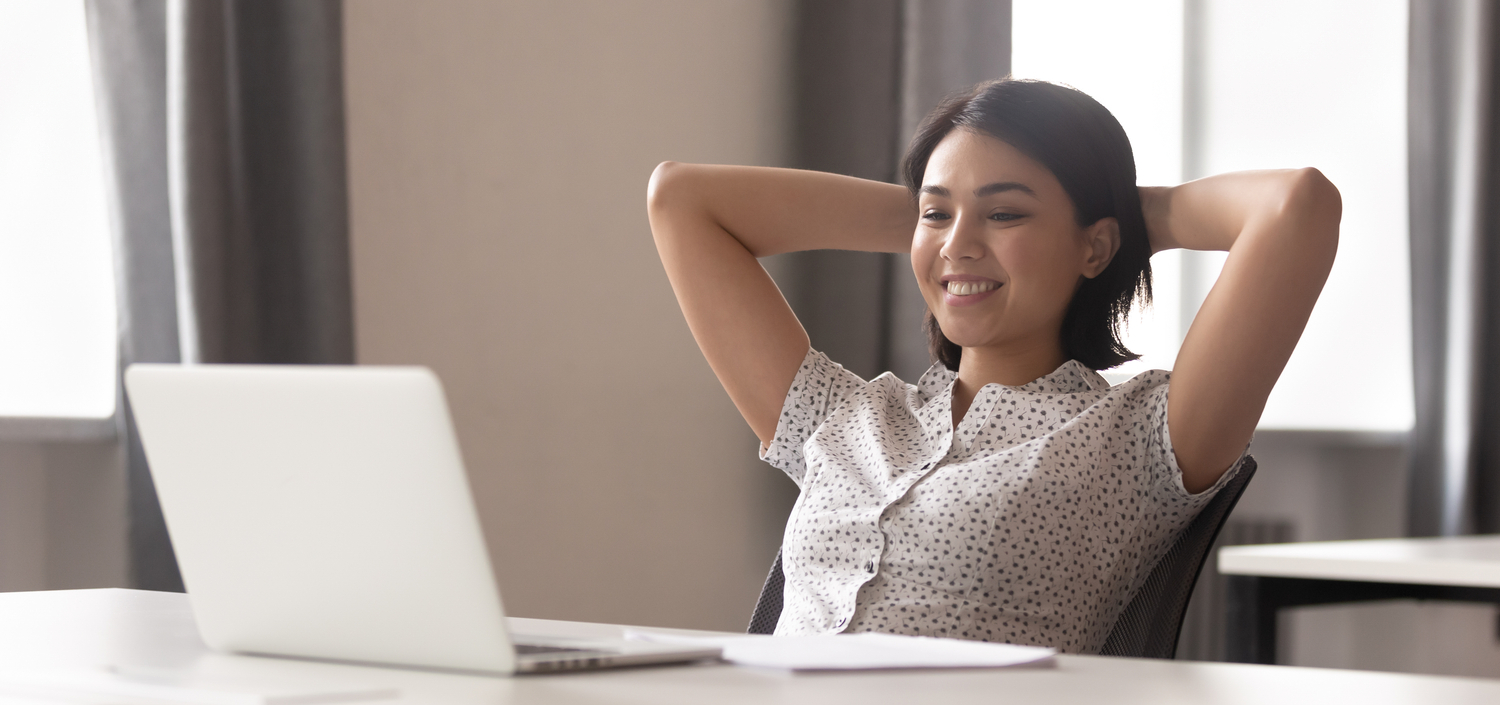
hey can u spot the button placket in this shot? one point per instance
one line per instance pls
(904, 484)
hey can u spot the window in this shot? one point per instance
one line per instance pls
(57, 290)
(1272, 83)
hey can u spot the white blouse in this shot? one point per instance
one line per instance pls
(1033, 522)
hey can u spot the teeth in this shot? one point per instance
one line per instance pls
(971, 288)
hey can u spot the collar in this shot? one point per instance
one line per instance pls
(1071, 377)
(935, 396)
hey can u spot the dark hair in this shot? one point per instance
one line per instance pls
(1082, 144)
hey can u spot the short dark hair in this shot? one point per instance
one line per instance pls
(1082, 144)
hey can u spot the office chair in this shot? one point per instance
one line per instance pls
(1152, 620)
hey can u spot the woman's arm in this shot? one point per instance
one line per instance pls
(710, 225)
(1281, 229)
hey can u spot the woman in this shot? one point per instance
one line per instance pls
(1010, 494)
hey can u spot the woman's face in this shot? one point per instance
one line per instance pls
(998, 252)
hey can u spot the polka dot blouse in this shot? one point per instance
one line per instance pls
(1032, 522)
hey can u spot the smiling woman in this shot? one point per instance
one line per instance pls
(1078, 157)
(1010, 494)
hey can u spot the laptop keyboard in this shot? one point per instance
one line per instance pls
(524, 649)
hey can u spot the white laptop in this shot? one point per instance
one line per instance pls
(324, 512)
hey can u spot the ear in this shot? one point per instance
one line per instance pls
(1101, 242)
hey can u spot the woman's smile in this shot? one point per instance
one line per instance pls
(964, 290)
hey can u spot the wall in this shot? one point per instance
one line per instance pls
(499, 154)
(62, 515)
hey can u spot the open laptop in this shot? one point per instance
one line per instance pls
(323, 512)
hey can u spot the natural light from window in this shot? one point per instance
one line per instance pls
(1284, 83)
(57, 290)
(1140, 82)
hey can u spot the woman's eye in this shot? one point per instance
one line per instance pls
(1004, 217)
(934, 215)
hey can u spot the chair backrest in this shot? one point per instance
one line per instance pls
(1152, 620)
(768, 608)
(1150, 623)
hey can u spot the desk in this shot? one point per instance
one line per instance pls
(1264, 579)
(156, 630)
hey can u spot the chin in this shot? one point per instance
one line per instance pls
(967, 338)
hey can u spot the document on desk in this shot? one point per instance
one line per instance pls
(860, 652)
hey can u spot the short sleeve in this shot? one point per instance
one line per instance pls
(1162, 459)
(820, 386)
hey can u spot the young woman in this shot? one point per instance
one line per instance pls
(1010, 494)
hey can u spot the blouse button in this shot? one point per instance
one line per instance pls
(870, 567)
(842, 622)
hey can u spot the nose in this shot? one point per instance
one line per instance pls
(964, 240)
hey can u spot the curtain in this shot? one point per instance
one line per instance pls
(847, 98)
(867, 72)
(128, 44)
(259, 201)
(224, 131)
(1454, 479)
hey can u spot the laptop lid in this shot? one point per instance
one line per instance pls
(322, 512)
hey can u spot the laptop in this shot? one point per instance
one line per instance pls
(323, 512)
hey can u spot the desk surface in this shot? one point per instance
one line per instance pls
(1470, 561)
(156, 630)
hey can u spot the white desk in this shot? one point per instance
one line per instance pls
(1264, 579)
(156, 630)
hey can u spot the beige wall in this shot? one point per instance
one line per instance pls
(499, 153)
(62, 515)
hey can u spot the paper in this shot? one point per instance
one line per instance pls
(185, 687)
(847, 652)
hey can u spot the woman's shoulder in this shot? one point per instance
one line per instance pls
(1138, 395)
(818, 371)
(851, 394)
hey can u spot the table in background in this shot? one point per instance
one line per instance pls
(153, 630)
(1264, 579)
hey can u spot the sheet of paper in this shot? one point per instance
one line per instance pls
(845, 652)
(194, 688)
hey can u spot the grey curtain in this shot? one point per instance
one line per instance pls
(128, 44)
(847, 101)
(1455, 445)
(867, 72)
(224, 130)
(259, 195)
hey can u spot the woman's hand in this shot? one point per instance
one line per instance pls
(1281, 230)
(710, 225)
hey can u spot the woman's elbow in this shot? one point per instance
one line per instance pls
(665, 185)
(1314, 204)
(1312, 195)
(1314, 191)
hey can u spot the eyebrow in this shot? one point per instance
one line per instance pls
(1002, 187)
(985, 190)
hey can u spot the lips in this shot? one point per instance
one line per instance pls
(967, 290)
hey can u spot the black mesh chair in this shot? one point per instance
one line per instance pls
(1151, 622)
